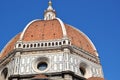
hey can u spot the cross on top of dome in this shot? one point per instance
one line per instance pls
(50, 12)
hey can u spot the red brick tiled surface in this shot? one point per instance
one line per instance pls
(10, 46)
(50, 30)
(79, 40)
(40, 76)
(43, 30)
(95, 78)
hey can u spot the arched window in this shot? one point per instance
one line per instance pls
(59, 43)
(31, 45)
(38, 44)
(4, 73)
(64, 42)
(52, 43)
(82, 68)
(19, 45)
(42, 44)
(49, 44)
(27, 45)
(45, 44)
(34, 45)
(56, 43)
(24, 46)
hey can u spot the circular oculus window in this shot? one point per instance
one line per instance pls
(42, 66)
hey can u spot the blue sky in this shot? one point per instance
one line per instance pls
(99, 19)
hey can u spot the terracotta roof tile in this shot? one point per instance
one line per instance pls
(40, 76)
(50, 30)
(43, 30)
(95, 78)
(10, 46)
(79, 40)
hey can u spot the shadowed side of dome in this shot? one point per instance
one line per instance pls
(10, 46)
(43, 30)
(80, 40)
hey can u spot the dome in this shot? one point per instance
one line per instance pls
(51, 28)
(48, 48)
(42, 30)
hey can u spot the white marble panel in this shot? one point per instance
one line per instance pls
(76, 70)
(60, 58)
(75, 61)
(72, 68)
(55, 58)
(55, 67)
(28, 60)
(71, 59)
(22, 69)
(23, 61)
(27, 69)
(61, 66)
